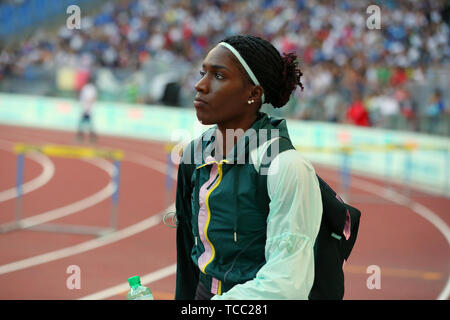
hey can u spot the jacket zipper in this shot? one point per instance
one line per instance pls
(217, 180)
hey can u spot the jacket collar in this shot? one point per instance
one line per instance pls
(263, 129)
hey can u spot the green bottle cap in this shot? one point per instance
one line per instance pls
(134, 281)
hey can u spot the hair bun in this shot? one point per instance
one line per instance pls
(290, 78)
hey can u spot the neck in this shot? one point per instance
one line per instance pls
(236, 130)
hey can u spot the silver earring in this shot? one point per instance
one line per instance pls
(250, 101)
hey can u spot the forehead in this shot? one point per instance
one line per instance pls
(221, 56)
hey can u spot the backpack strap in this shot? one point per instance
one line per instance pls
(283, 143)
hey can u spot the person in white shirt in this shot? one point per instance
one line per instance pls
(88, 97)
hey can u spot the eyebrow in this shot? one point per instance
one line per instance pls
(215, 66)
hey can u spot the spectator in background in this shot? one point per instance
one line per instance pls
(407, 108)
(434, 112)
(357, 113)
(88, 97)
(373, 103)
(389, 109)
(331, 104)
(399, 77)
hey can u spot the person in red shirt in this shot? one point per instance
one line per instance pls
(357, 113)
(399, 77)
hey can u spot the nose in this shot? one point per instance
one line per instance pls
(202, 85)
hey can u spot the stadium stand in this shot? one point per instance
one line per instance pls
(141, 50)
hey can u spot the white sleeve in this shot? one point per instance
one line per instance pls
(292, 227)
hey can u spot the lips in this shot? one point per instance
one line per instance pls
(199, 103)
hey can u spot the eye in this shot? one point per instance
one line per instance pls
(217, 75)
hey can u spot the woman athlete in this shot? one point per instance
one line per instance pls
(248, 206)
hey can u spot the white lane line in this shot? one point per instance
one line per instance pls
(415, 206)
(98, 242)
(82, 247)
(78, 205)
(45, 176)
(123, 287)
(443, 228)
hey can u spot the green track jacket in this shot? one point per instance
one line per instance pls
(246, 224)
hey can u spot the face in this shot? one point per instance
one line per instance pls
(222, 91)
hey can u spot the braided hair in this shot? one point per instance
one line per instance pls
(278, 75)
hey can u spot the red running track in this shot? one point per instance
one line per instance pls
(412, 253)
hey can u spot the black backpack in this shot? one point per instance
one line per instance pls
(331, 247)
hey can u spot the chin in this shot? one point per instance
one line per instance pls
(204, 120)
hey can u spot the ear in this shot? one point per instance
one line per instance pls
(256, 94)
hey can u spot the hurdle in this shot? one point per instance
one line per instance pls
(344, 169)
(65, 151)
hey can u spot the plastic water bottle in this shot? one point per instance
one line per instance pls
(138, 291)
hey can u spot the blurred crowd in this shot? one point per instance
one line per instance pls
(388, 77)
